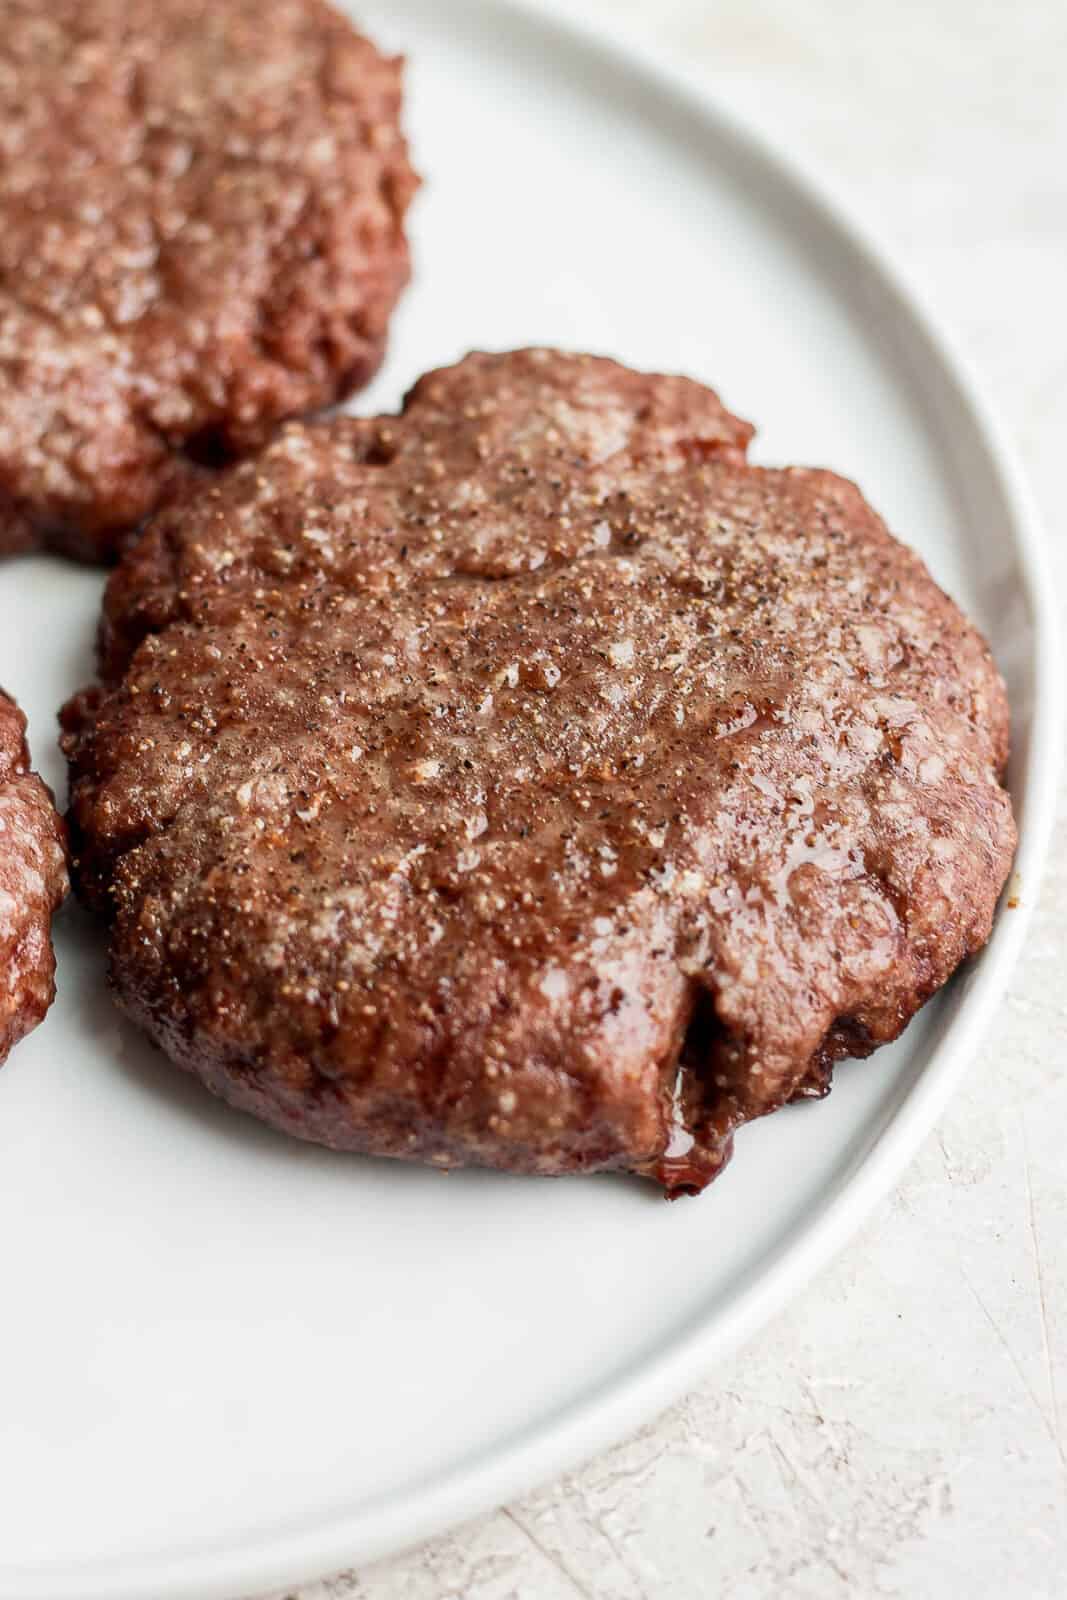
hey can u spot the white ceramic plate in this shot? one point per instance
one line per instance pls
(228, 1361)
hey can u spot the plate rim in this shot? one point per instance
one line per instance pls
(662, 1375)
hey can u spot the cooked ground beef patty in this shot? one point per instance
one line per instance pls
(526, 780)
(33, 882)
(201, 232)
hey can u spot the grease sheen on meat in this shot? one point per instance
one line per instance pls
(201, 232)
(33, 882)
(526, 780)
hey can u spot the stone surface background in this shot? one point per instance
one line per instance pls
(900, 1430)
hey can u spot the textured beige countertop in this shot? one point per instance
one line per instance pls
(900, 1429)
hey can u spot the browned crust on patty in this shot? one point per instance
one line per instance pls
(201, 233)
(528, 781)
(33, 883)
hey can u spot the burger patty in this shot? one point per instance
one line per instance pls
(33, 883)
(201, 232)
(526, 780)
